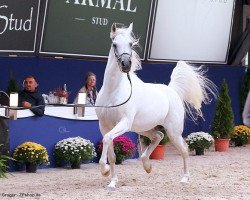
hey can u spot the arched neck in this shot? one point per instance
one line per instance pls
(112, 75)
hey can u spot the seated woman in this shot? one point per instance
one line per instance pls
(89, 88)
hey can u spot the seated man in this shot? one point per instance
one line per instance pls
(30, 97)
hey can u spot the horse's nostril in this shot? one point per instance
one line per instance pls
(123, 63)
(129, 62)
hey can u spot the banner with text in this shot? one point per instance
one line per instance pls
(18, 25)
(82, 27)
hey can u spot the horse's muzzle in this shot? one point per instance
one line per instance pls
(125, 63)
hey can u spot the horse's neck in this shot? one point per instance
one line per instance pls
(112, 75)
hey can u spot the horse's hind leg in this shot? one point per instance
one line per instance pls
(177, 140)
(155, 136)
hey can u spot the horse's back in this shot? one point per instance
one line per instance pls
(149, 106)
(152, 105)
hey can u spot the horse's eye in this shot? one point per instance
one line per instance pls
(114, 45)
(130, 44)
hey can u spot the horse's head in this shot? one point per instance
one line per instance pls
(122, 43)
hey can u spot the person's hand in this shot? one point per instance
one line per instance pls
(26, 104)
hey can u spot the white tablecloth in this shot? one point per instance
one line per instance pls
(58, 111)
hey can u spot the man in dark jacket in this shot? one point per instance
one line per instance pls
(29, 97)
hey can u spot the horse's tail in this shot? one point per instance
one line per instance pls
(193, 87)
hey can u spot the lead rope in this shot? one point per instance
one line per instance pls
(122, 102)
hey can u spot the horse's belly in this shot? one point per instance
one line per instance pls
(147, 120)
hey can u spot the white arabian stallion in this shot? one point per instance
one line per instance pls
(141, 107)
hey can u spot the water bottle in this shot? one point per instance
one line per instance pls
(65, 88)
(65, 94)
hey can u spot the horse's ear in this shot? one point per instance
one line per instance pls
(113, 28)
(130, 28)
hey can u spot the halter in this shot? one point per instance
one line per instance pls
(118, 57)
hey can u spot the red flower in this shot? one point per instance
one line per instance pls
(124, 148)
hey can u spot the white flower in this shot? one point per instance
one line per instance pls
(199, 140)
(75, 147)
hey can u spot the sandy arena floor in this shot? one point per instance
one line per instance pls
(213, 176)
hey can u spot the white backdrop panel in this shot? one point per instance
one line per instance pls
(193, 30)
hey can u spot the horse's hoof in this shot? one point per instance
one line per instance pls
(105, 169)
(111, 188)
(106, 173)
(149, 169)
(146, 164)
(185, 180)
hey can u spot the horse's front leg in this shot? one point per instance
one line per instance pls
(112, 159)
(119, 129)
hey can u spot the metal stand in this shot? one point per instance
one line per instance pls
(79, 109)
(11, 114)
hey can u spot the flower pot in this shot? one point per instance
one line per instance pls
(118, 161)
(76, 164)
(221, 144)
(240, 140)
(31, 167)
(199, 151)
(158, 153)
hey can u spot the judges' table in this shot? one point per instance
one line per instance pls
(58, 123)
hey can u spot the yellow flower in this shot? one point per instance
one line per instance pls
(241, 130)
(31, 152)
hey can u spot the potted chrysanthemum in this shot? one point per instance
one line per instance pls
(199, 141)
(241, 135)
(31, 154)
(74, 151)
(124, 148)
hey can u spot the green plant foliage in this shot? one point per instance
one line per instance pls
(223, 122)
(245, 87)
(164, 141)
(3, 164)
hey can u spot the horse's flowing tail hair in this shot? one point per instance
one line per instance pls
(193, 87)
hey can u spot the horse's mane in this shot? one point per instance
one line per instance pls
(136, 61)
